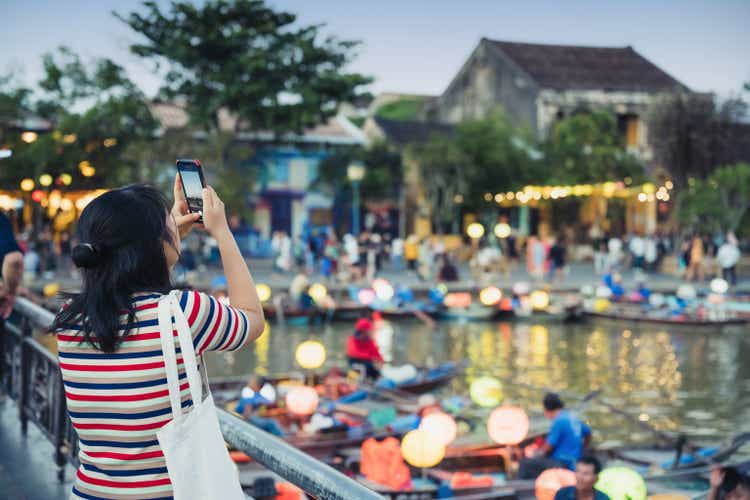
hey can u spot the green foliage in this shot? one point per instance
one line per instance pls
(717, 204)
(403, 109)
(692, 135)
(587, 148)
(243, 56)
(14, 99)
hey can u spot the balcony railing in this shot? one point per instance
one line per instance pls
(30, 375)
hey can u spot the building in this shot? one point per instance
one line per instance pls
(537, 85)
(284, 168)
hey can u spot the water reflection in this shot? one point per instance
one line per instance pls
(692, 380)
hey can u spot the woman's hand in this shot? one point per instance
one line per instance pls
(180, 211)
(214, 215)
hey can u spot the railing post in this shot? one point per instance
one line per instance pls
(61, 416)
(25, 375)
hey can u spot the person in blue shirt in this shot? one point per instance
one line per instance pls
(567, 438)
(11, 262)
(587, 474)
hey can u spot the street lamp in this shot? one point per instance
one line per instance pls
(355, 172)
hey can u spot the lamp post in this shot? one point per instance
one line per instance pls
(355, 172)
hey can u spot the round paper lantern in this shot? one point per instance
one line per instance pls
(686, 292)
(508, 425)
(551, 480)
(539, 299)
(486, 391)
(621, 483)
(318, 292)
(587, 290)
(603, 292)
(457, 299)
(506, 304)
(601, 305)
(521, 288)
(490, 295)
(719, 285)
(475, 230)
(502, 230)
(51, 289)
(310, 354)
(383, 289)
(264, 291)
(302, 400)
(365, 296)
(440, 426)
(420, 449)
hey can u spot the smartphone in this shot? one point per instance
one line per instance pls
(193, 182)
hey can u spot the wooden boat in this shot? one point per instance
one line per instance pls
(471, 313)
(622, 311)
(348, 310)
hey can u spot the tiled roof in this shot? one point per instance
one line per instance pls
(565, 67)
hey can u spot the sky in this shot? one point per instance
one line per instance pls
(417, 46)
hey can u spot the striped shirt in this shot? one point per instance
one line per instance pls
(117, 402)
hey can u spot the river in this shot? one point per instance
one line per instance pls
(691, 380)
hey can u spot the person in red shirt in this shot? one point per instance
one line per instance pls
(362, 350)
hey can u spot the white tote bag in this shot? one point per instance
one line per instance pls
(198, 463)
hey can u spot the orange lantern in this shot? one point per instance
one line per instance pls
(457, 299)
(552, 480)
(508, 425)
(440, 426)
(302, 400)
(421, 449)
(506, 304)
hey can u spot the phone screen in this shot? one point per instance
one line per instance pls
(192, 184)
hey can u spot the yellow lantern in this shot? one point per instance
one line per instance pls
(28, 137)
(648, 188)
(27, 185)
(420, 449)
(310, 354)
(51, 289)
(66, 204)
(508, 425)
(318, 292)
(440, 426)
(601, 305)
(539, 299)
(621, 483)
(302, 400)
(490, 295)
(550, 481)
(45, 180)
(475, 230)
(66, 179)
(264, 292)
(486, 391)
(502, 230)
(87, 170)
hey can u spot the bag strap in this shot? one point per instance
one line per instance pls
(170, 358)
(187, 349)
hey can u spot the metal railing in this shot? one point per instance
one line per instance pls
(30, 374)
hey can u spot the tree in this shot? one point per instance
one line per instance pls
(692, 135)
(245, 57)
(717, 204)
(587, 148)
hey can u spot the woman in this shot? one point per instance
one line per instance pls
(108, 334)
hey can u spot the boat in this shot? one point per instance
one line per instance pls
(622, 311)
(472, 313)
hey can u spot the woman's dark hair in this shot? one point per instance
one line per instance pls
(121, 252)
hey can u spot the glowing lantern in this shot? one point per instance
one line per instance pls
(475, 230)
(506, 304)
(486, 391)
(318, 292)
(508, 425)
(550, 481)
(264, 291)
(420, 449)
(365, 296)
(383, 289)
(648, 188)
(310, 354)
(28, 137)
(719, 285)
(457, 299)
(37, 195)
(521, 288)
(601, 305)
(87, 170)
(51, 289)
(27, 185)
(440, 426)
(490, 295)
(656, 300)
(621, 483)
(686, 292)
(45, 180)
(539, 299)
(66, 179)
(302, 400)
(502, 230)
(66, 204)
